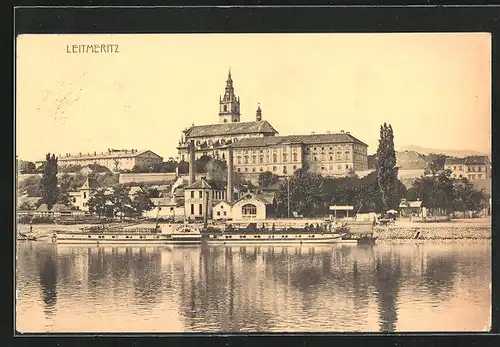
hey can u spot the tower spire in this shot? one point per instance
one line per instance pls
(229, 104)
(258, 117)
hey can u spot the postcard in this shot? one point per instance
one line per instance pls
(233, 183)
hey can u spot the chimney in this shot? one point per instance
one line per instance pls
(205, 210)
(230, 174)
(95, 153)
(191, 162)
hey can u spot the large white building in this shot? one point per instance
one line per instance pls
(257, 147)
(471, 167)
(113, 159)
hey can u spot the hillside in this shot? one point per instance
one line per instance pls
(447, 152)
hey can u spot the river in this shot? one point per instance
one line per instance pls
(428, 286)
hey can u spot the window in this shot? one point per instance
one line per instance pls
(275, 158)
(200, 209)
(284, 169)
(480, 169)
(454, 168)
(192, 208)
(249, 209)
(331, 157)
(254, 159)
(261, 169)
(261, 159)
(285, 157)
(225, 108)
(322, 168)
(84, 195)
(460, 167)
(200, 194)
(274, 168)
(225, 213)
(294, 156)
(340, 167)
(238, 160)
(347, 166)
(246, 169)
(253, 169)
(192, 194)
(479, 176)
(218, 213)
(239, 170)
(246, 159)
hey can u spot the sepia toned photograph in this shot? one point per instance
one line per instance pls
(237, 183)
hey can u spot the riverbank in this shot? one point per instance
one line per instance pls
(459, 229)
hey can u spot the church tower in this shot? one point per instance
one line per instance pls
(229, 110)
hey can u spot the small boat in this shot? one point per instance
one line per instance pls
(25, 237)
(120, 236)
(251, 234)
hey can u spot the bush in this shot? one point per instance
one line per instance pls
(35, 220)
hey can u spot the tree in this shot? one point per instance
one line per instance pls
(98, 203)
(387, 174)
(141, 202)
(467, 198)
(120, 200)
(32, 185)
(200, 165)
(49, 181)
(436, 192)
(216, 170)
(435, 162)
(267, 178)
(26, 206)
(27, 167)
(107, 180)
(306, 194)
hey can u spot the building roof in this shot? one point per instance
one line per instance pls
(55, 208)
(266, 198)
(166, 201)
(405, 203)
(89, 184)
(259, 127)
(297, 139)
(477, 160)
(205, 184)
(454, 161)
(110, 154)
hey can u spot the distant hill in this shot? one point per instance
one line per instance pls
(447, 152)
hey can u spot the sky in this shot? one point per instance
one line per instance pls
(434, 89)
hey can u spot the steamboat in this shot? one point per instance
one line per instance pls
(252, 233)
(181, 234)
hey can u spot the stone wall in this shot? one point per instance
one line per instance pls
(146, 177)
(433, 233)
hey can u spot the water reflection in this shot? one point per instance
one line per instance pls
(47, 276)
(251, 288)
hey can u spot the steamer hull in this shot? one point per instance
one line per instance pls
(181, 235)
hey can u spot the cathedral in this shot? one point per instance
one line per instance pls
(258, 148)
